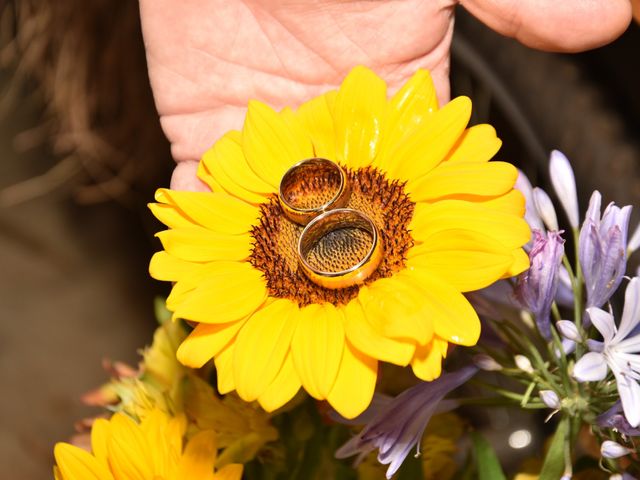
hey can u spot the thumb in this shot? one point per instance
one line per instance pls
(566, 26)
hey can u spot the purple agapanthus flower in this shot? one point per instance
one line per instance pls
(614, 418)
(537, 287)
(602, 250)
(399, 425)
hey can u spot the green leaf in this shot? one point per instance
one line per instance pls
(487, 461)
(553, 466)
(160, 307)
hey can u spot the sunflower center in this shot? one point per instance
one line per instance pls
(276, 239)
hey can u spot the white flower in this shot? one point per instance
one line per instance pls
(564, 183)
(619, 351)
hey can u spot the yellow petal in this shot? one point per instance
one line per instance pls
(188, 283)
(235, 292)
(368, 340)
(317, 347)
(464, 259)
(427, 362)
(464, 181)
(359, 116)
(295, 126)
(205, 342)
(218, 212)
(512, 202)
(170, 216)
(129, 450)
(99, 439)
(453, 317)
(169, 268)
(163, 454)
(316, 117)
(283, 388)
(205, 175)
(261, 347)
(77, 464)
(226, 162)
(429, 144)
(179, 293)
(198, 244)
(477, 144)
(233, 471)
(428, 219)
(356, 380)
(224, 369)
(520, 263)
(269, 144)
(397, 309)
(407, 109)
(199, 457)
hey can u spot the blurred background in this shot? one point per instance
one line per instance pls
(81, 152)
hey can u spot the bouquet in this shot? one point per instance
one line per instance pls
(357, 281)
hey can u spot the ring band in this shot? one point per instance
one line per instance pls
(302, 180)
(333, 221)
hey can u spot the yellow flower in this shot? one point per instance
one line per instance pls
(151, 450)
(449, 221)
(243, 429)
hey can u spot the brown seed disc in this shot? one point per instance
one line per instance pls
(276, 240)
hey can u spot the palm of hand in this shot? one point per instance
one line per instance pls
(207, 58)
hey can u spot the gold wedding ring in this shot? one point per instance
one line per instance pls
(339, 248)
(311, 187)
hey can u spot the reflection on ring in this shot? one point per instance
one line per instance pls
(311, 187)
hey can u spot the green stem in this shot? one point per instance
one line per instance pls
(527, 394)
(577, 290)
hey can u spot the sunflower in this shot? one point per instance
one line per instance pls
(123, 449)
(449, 220)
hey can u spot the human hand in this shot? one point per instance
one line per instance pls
(208, 58)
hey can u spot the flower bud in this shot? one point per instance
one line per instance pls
(544, 206)
(550, 399)
(486, 363)
(564, 183)
(568, 330)
(523, 363)
(611, 449)
(531, 214)
(536, 288)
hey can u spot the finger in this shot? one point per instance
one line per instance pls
(185, 177)
(568, 26)
(192, 133)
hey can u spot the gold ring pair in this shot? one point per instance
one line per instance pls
(314, 193)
